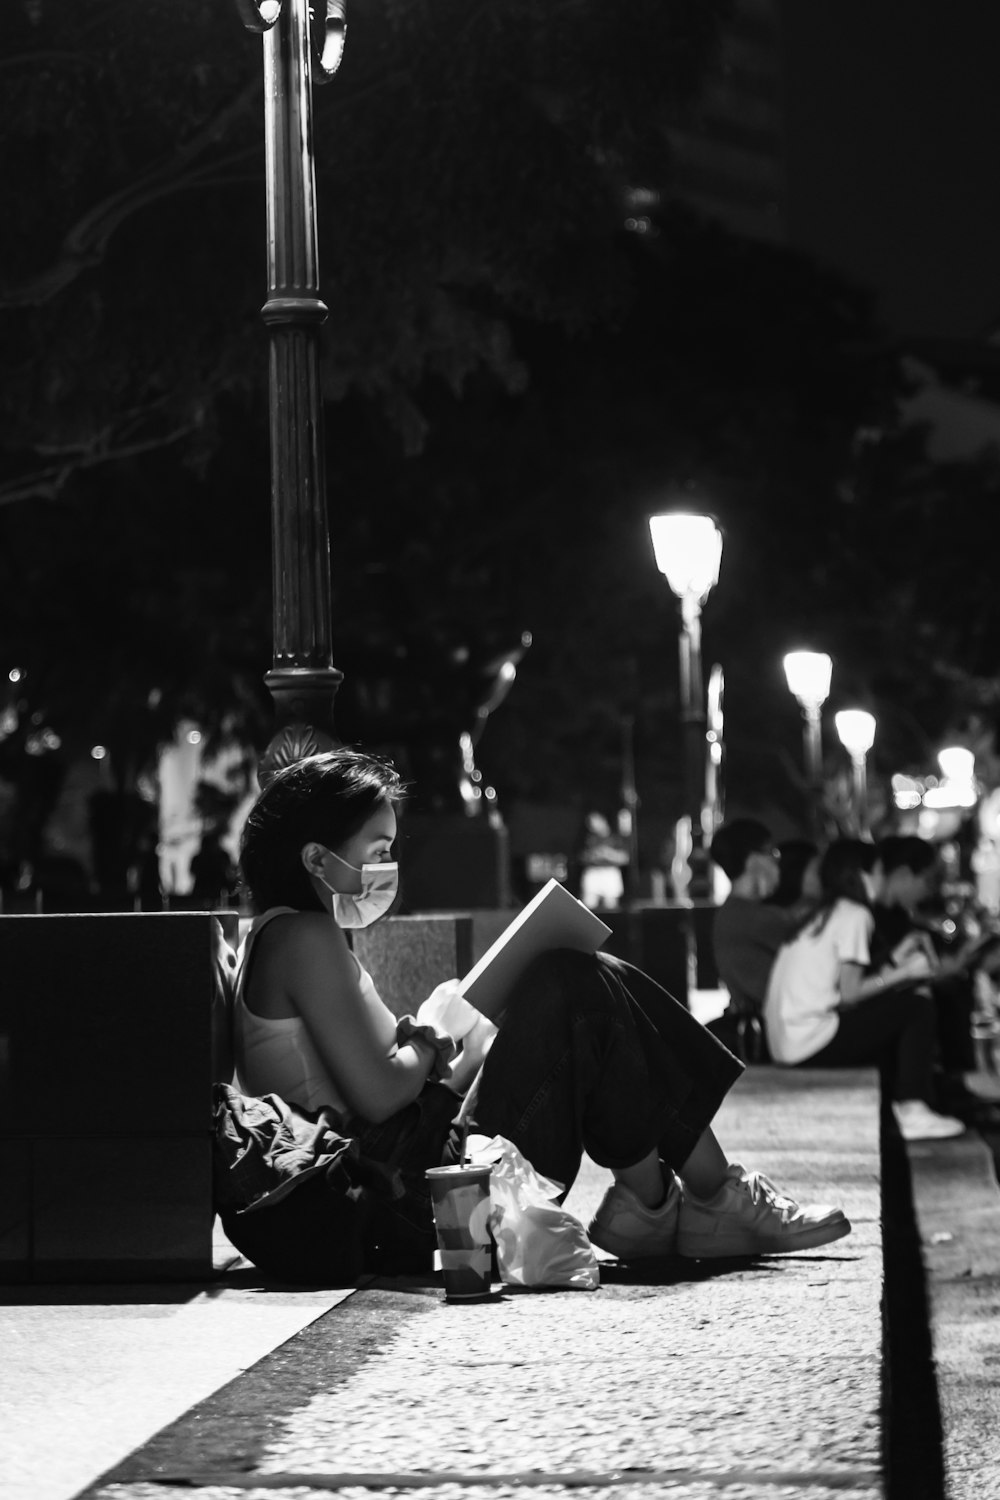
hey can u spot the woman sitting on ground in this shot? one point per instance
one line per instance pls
(826, 1007)
(591, 1056)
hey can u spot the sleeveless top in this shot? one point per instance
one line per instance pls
(279, 1056)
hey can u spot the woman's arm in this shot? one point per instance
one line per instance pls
(355, 1037)
(856, 984)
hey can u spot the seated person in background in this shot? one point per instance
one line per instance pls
(747, 931)
(908, 874)
(798, 876)
(827, 1006)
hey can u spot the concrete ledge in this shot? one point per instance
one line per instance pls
(408, 956)
(108, 1051)
(957, 1208)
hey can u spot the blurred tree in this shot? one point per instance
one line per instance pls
(471, 162)
(514, 384)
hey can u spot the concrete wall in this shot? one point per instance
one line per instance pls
(108, 1030)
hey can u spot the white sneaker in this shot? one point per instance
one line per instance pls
(748, 1216)
(624, 1225)
(918, 1122)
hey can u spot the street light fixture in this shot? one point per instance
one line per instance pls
(688, 552)
(856, 729)
(808, 676)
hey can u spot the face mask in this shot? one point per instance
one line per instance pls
(378, 891)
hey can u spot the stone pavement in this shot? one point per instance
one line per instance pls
(746, 1379)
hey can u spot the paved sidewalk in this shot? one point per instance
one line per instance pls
(88, 1374)
(750, 1379)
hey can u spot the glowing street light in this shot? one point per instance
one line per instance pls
(808, 676)
(688, 552)
(856, 730)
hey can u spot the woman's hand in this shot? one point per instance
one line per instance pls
(448, 1011)
(475, 1045)
(914, 943)
(916, 965)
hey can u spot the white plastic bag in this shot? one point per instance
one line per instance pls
(538, 1242)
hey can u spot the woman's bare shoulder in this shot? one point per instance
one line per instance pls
(301, 938)
(298, 956)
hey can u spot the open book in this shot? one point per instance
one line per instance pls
(552, 919)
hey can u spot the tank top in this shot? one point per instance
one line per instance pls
(280, 1056)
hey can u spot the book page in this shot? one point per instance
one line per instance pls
(552, 919)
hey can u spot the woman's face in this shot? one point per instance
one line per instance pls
(371, 845)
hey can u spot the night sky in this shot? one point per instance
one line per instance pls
(893, 153)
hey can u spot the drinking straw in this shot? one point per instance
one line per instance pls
(464, 1116)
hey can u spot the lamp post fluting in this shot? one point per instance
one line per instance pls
(808, 675)
(856, 730)
(300, 41)
(688, 551)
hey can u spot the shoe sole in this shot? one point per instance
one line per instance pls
(729, 1247)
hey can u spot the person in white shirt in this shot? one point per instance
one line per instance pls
(826, 1007)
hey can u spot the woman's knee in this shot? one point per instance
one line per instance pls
(558, 983)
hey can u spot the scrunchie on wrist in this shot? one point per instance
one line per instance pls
(408, 1029)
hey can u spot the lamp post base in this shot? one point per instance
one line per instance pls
(303, 700)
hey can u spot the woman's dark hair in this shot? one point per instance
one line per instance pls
(324, 798)
(795, 856)
(906, 851)
(840, 870)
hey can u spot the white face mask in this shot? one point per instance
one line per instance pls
(379, 884)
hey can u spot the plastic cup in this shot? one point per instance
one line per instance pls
(460, 1197)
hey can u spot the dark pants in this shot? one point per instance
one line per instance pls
(592, 1056)
(894, 1032)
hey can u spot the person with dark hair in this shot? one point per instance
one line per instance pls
(591, 1054)
(827, 1006)
(798, 875)
(747, 930)
(908, 871)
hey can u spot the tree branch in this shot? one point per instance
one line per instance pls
(48, 483)
(86, 242)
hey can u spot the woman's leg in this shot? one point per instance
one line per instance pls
(594, 1056)
(706, 1168)
(895, 1032)
(645, 1179)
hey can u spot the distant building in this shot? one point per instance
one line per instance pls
(729, 159)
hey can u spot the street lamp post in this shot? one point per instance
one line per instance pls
(688, 551)
(856, 730)
(715, 796)
(298, 39)
(808, 676)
